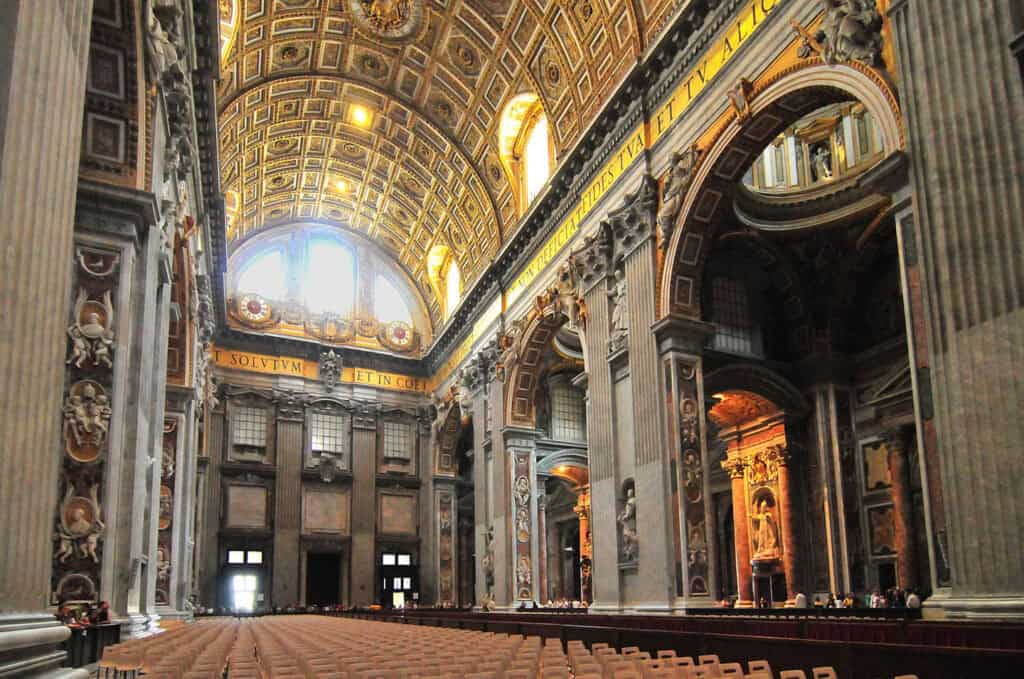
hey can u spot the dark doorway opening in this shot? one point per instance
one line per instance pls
(323, 579)
(886, 576)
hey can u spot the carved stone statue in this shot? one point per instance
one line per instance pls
(822, 163)
(161, 51)
(850, 31)
(86, 415)
(79, 527)
(620, 312)
(766, 537)
(92, 334)
(488, 561)
(522, 492)
(627, 523)
(330, 369)
(680, 176)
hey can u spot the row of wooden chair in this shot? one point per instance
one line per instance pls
(315, 647)
(187, 652)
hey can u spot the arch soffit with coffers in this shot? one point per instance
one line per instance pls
(284, 169)
(455, 70)
(531, 344)
(773, 104)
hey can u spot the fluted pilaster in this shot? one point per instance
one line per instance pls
(42, 71)
(287, 508)
(964, 105)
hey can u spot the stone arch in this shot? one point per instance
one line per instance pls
(524, 375)
(757, 379)
(448, 429)
(772, 105)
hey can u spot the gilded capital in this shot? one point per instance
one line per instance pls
(734, 466)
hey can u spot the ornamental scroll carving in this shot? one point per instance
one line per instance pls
(691, 469)
(521, 492)
(446, 547)
(87, 411)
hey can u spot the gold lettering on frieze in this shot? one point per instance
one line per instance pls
(298, 367)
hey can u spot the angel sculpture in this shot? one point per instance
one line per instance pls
(93, 338)
(80, 527)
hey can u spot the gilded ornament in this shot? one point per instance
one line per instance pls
(391, 20)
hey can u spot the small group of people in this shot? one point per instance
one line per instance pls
(84, 615)
(894, 597)
(567, 604)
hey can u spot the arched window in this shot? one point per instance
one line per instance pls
(524, 144)
(329, 280)
(536, 158)
(452, 286)
(264, 275)
(388, 303)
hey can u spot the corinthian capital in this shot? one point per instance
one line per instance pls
(634, 222)
(734, 466)
(592, 261)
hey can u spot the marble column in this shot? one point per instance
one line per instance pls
(741, 528)
(582, 510)
(964, 110)
(790, 558)
(43, 52)
(363, 560)
(906, 562)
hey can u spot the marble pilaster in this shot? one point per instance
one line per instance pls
(964, 111)
(289, 449)
(42, 84)
(364, 497)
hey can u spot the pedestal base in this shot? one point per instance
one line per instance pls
(30, 646)
(981, 607)
(743, 603)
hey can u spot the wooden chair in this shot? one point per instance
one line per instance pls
(731, 669)
(794, 674)
(823, 673)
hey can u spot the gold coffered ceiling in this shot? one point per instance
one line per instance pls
(435, 77)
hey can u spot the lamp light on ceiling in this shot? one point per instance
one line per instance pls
(360, 116)
(341, 185)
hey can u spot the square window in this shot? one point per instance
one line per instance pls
(568, 413)
(250, 427)
(329, 433)
(236, 556)
(397, 440)
(387, 559)
(404, 560)
(254, 557)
